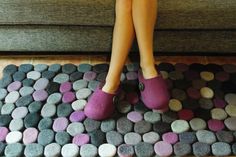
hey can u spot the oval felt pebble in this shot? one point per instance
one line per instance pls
(151, 137)
(60, 124)
(197, 124)
(163, 148)
(206, 75)
(14, 86)
(35, 75)
(30, 135)
(3, 133)
(70, 150)
(170, 137)
(106, 150)
(218, 113)
(125, 150)
(231, 110)
(175, 105)
(81, 139)
(52, 149)
(179, 126)
(12, 97)
(13, 137)
(207, 92)
(230, 123)
(88, 150)
(215, 125)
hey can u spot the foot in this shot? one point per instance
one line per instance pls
(111, 87)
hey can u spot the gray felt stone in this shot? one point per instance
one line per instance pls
(3, 93)
(152, 117)
(91, 124)
(31, 120)
(40, 67)
(26, 91)
(101, 77)
(75, 128)
(108, 125)
(1, 105)
(100, 67)
(45, 137)
(84, 67)
(48, 110)
(24, 101)
(25, 67)
(234, 148)
(123, 106)
(197, 124)
(10, 69)
(18, 76)
(76, 76)
(142, 127)
(151, 137)
(5, 120)
(2, 147)
(230, 123)
(132, 138)
(125, 150)
(201, 149)
(48, 74)
(14, 149)
(124, 125)
(132, 66)
(54, 98)
(35, 106)
(225, 136)
(52, 149)
(28, 82)
(68, 68)
(83, 93)
(206, 103)
(16, 125)
(88, 150)
(221, 149)
(169, 116)
(6, 80)
(97, 137)
(187, 137)
(64, 110)
(182, 149)
(92, 85)
(45, 123)
(55, 68)
(114, 138)
(79, 84)
(161, 127)
(206, 136)
(230, 98)
(41, 84)
(143, 149)
(61, 77)
(7, 108)
(62, 138)
(33, 150)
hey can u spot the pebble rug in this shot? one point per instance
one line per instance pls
(42, 112)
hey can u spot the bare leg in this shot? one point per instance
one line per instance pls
(144, 18)
(123, 35)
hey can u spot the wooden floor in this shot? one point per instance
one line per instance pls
(94, 59)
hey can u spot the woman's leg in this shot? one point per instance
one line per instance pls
(123, 35)
(144, 18)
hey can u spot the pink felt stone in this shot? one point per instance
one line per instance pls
(215, 125)
(30, 135)
(181, 67)
(65, 87)
(80, 139)
(185, 114)
(60, 124)
(89, 75)
(40, 95)
(135, 116)
(3, 133)
(14, 86)
(131, 75)
(170, 137)
(163, 148)
(222, 76)
(219, 103)
(68, 97)
(193, 93)
(77, 116)
(132, 97)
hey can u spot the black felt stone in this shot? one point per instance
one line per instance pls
(28, 82)
(142, 127)
(234, 148)
(25, 68)
(62, 138)
(101, 77)
(10, 69)
(165, 67)
(130, 85)
(24, 101)
(19, 76)
(161, 127)
(182, 149)
(187, 137)
(228, 87)
(91, 125)
(225, 136)
(218, 93)
(182, 84)
(52, 87)
(2, 147)
(143, 149)
(101, 67)
(5, 81)
(76, 76)
(48, 74)
(197, 67)
(201, 149)
(35, 106)
(5, 120)
(140, 107)
(178, 94)
(55, 68)
(124, 125)
(97, 137)
(64, 110)
(68, 68)
(169, 116)
(45, 123)
(202, 113)
(213, 67)
(214, 84)
(190, 103)
(31, 120)
(191, 75)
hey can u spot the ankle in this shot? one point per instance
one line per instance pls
(111, 87)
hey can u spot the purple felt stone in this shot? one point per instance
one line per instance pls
(181, 67)
(3, 133)
(170, 137)
(40, 95)
(30, 135)
(193, 93)
(77, 116)
(60, 124)
(89, 75)
(215, 125)
(68, 97)
(135, 116)
(14, 86)
(222, 76)
(132, 97)
(65, 87)
(131, 75)
(191, 75)
(80, 139)
(219, 103)
(163, 148)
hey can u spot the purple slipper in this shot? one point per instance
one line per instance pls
(101, 104)
(154, 92)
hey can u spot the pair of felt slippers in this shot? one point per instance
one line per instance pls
(153, 91)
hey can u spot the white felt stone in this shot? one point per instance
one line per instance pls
(13, 137)
(218, 113)
(70, 150)
(12, 97)
(231, 110)
(106, 150)
(52, 150)
(179, 126)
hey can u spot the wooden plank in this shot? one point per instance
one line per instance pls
(99, 39)
(172, 14)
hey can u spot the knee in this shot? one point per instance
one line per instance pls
(123, 6)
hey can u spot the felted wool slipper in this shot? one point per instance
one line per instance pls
(101, 104)
(154, 92)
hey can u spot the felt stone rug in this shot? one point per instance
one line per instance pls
(42, 112)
